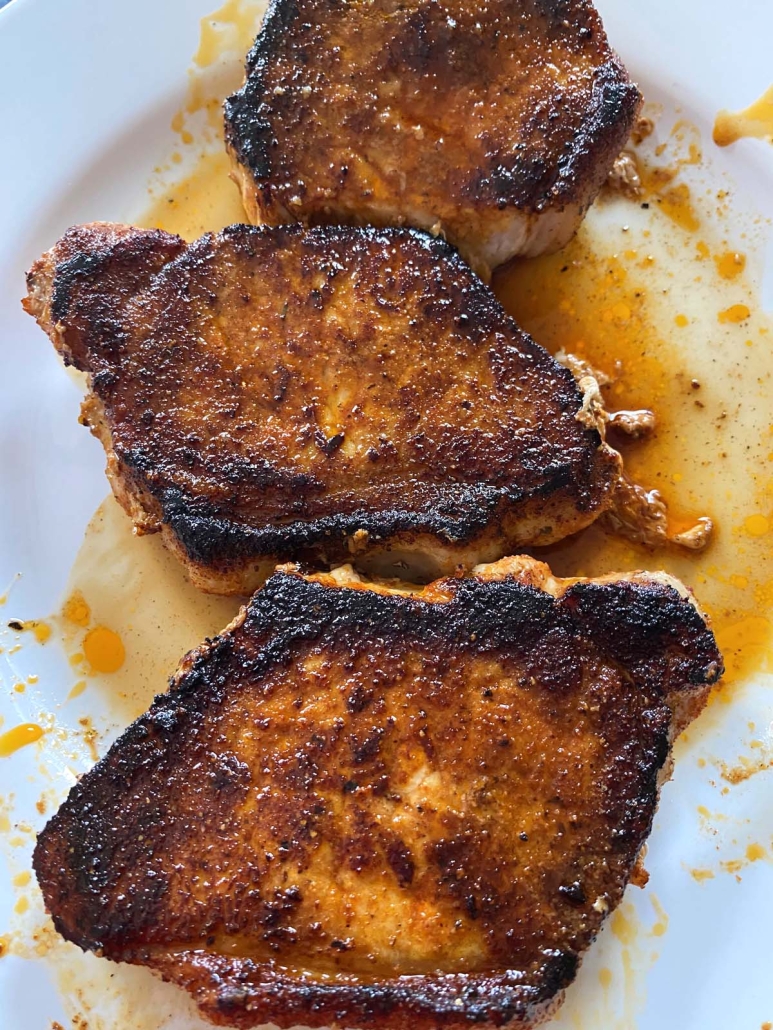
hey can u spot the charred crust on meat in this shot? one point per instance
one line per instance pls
(391, 397)
(526, 182)
(599, 667)
(453, 515)
(657, 615)
(68, 272)
(548, 148)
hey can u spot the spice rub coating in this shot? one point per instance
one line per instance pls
(495, 123)
(277, 393)
(374, 807)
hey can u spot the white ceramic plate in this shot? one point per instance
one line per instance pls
(87, 94)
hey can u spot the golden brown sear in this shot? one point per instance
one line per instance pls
(379, 808)
(270, 394)
(494, 124)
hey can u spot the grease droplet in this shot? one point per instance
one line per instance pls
(76, 609)
(104, 649)
(756, 525)
(19, 737)
(730, 264)
(77, 690)
(734, 314)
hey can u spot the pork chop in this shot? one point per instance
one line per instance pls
(273, 394)
(372, 807)
(492, 124)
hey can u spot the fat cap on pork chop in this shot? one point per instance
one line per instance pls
(375, 808)
(494, 124)
(272, 394)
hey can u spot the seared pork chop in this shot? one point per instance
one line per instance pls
(492, 124)
(369, 807)
(280, 393)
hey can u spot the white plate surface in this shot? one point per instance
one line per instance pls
(87, 94)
